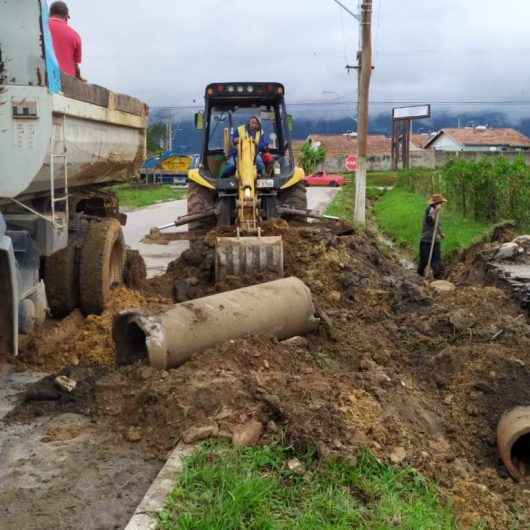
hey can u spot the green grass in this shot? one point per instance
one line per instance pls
(135, 196)
(399, 214)
(225, 488)
(385, 179)
(342, 204)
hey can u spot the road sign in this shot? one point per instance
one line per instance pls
(415, 112)
(351, 163)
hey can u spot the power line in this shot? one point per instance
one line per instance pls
(378, 102)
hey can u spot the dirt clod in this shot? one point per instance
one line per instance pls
(197, 434)
(248, 434)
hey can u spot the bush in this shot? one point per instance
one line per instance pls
(311, 156)
(488, 189)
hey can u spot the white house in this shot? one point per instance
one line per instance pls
(479, 140)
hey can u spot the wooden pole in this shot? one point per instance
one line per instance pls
(365, 73)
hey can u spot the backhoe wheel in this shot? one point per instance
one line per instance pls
(102, 264)
(60, 279)
(295, 197)
(200, 199)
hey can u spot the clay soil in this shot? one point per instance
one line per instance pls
(418, 377)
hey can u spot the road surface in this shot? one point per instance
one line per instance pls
(157, 257)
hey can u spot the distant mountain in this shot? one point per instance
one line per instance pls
(188, 140)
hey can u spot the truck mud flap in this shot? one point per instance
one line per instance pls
(8, 300)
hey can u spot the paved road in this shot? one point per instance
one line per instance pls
(157, 257)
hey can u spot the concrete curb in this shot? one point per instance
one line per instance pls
(144, 517)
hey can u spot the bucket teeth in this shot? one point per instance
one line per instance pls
(248, 256)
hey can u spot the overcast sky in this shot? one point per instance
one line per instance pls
(166, 51)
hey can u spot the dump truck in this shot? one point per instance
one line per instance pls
(245, 199)
(62, 141)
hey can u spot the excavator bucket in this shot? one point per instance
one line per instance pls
(248, 256)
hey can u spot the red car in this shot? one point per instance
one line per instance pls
(321, 178)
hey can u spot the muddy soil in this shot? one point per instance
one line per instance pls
(420, 378)
(65, 471)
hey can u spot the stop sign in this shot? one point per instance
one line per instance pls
(351, 163)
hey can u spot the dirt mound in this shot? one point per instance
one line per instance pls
(77, 339)
(420, 378)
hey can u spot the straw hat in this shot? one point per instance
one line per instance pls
(437, 198)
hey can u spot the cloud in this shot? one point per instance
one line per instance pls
(166, 51)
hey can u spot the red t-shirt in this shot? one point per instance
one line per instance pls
(67, 44)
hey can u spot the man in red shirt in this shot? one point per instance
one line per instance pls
(66, 41)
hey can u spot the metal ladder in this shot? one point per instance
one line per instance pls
(54, 142)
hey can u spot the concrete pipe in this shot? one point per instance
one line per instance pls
(513, 441)
(283, 308)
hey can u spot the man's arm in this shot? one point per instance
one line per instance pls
(78, 58)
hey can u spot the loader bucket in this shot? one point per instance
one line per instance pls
(248, 256)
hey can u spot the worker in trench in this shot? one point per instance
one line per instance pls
(431, 237)
(66, 41)
(254, 130)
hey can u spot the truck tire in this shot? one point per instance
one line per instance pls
(295, 197)
(200, 199)
(60, 279)
(102, 265)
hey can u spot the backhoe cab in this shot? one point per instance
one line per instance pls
(245, 198)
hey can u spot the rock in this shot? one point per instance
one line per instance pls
(508, 251)
(367, 365)
(408, 294)
(147, 372)
(65, 383)
(272, 427)
(398, 455)
(449, 399)
(461, 320)
(199, 433)
(462, 468)
(248, 434)
(334, 297)
(443, 286)
(296, 466)
(299, 342)
(524, 242)
(134, 434)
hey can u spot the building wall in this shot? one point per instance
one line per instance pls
(445, 143)
(426, 158)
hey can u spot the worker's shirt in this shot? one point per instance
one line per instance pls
(67, 45)
(429, 222)
(262, 146)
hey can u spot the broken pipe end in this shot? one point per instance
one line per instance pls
(513, 440)
(139, 337)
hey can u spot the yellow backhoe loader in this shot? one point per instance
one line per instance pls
(252, 192)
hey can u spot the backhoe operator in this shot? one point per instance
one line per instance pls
(253, 130)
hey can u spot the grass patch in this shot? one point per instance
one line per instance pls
(225, 488)
(342, 204)
(380, 179)
(399, 214)
(135, 196)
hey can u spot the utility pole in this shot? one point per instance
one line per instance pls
(365, 74)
